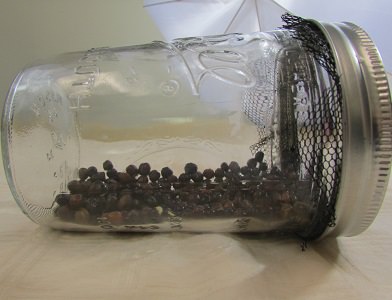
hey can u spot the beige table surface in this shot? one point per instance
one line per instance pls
(39, 263)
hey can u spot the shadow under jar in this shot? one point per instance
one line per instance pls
(287, 131)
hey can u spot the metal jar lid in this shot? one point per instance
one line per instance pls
(367, 127)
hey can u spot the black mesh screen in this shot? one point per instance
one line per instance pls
(310, 123)
(320, 138)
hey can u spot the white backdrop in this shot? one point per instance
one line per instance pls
(37, 29)
(180, 18)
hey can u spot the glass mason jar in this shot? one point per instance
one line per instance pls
(286, 131)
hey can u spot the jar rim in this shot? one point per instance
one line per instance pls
(367, 127)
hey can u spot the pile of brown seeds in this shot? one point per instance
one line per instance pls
(142, 195)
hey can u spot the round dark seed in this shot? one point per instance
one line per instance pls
(142, 179)
(83, 174)
(146, 188)
(91, 171)
(141, 197)
(172, 179)
(144, 169)
(75, 201)
(74, 187)
(263, 166)
(132, 170)
(125, 191)
(190, 168)
(234, 167)
(123, 177)
(154, 185)
(177, 185)
(107, 165)
(112, 173)
(82, 216)
(154, 175)
(98, 176)
(245, 170)
(64, 213)
(255, 172)
(111, 202)
(259, 156)
(101, 176)
(197, 177)
(164, 183)
(97, 188)
(208, 174)
(166, 172)
(84, 186)
(124, 202)
(219, 173)
(224, 166)
(184, 178)
(234, 177)
(252, 163)
(95, 205)
(133, 180)
(62, 199)
(112, 185)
